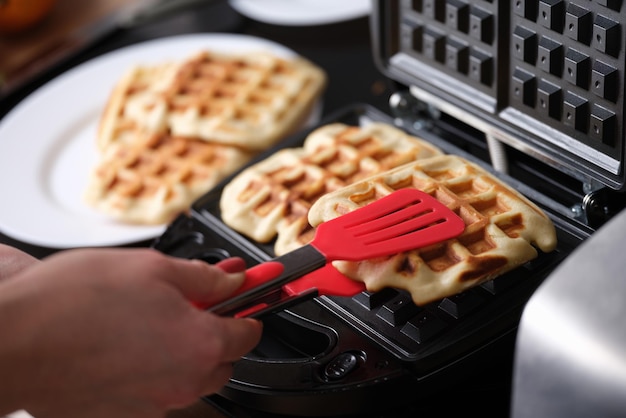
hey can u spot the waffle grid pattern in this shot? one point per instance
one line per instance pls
(153, 180)
(172, 131)
(272, 198)
(502, 229)
(248, 101)
(134, 105)
(552, 70)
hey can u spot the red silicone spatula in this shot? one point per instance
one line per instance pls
(403, 220)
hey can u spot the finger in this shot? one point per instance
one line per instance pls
(237, 336)
(218, 377)
(202, 282)
(12, 261)
(232, 265)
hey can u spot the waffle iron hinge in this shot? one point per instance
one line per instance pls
(417, 109)
(495, 138)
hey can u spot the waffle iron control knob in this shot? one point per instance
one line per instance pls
(340, 366)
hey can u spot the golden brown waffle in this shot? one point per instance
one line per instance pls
(136, 104)
(272, 198)
(250, 100)
(502, 229)
(158, 176)
(178, 128)
(247, 100)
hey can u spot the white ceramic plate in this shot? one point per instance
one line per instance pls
(302, 12)
(19, 414)
(47, 146)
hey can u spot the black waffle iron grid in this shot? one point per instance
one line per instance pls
(544, 77)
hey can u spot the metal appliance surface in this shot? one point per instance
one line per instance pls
(545, 77)
(570, 356)
(338, 356)
(530, 90)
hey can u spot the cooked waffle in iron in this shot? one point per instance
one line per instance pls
(502, 229)
(272, 198)
(158, 176)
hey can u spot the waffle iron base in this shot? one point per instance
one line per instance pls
(368, 355)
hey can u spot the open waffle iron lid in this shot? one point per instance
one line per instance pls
(545, 77)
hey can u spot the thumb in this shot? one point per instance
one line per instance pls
(204, 283)
(232, 264)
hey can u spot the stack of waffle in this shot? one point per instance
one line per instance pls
(170, 132)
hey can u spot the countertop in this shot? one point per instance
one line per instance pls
(17, 50)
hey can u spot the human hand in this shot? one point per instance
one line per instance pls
(112, 333)
(13, 261)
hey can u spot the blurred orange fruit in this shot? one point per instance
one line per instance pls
(20, 15)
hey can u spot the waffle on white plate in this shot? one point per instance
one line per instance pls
(250, 101)
(246, 100)
(158, 176)
(271, 198)
(171, 131)
(135, 105)
(503, 229)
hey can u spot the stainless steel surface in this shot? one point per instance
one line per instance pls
(570, 356)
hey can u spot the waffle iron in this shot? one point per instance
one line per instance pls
(531, 91)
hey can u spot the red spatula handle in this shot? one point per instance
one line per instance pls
(327, 281)
(323, 281)
(404, 220)
(261, 280)
(259, 274)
